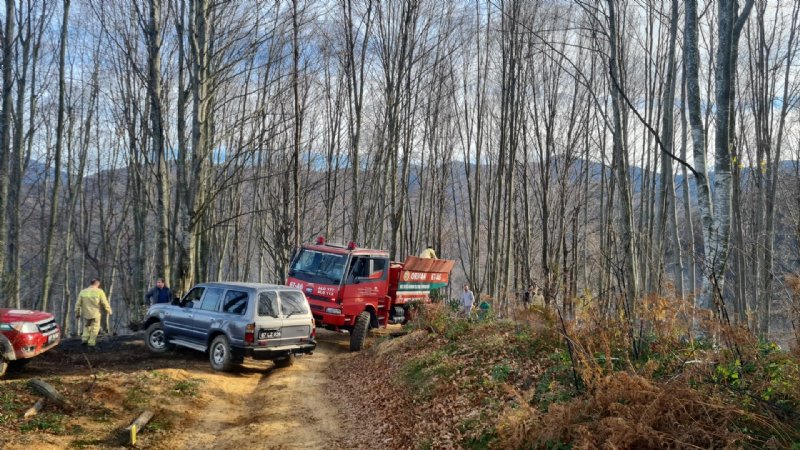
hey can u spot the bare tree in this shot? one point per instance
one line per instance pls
(54, 199)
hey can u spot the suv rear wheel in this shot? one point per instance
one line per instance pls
(220, 354)
(156, 339)
(360, 330)
(286, 361)
(3, 366)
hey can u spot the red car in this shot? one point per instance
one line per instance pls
(25, 334)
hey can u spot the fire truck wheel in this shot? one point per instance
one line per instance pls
(360, 331)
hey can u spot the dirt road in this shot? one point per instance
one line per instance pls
(259, 406)
(255, 406)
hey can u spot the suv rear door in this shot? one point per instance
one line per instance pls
(235, 305)
(296, 315)
(268, 319)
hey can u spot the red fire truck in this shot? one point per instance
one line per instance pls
(355, 289)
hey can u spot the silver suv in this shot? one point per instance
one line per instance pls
(232, 321)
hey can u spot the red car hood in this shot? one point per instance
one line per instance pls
(23, 315)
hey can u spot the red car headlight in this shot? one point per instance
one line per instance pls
(22, 327)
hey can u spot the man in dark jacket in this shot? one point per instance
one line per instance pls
(159, 294)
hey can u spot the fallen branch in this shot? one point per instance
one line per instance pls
(94, 375)
(698, 361)
(33, 410)
(138, 424)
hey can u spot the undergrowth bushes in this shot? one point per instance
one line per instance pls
(602, 381)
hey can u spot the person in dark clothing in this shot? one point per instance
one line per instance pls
(526, 297)
(159, 294)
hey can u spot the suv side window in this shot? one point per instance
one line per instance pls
(293, 302)
(268, 304)
(235, 302)
(211, 299)
(193, 295)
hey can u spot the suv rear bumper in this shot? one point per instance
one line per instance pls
(274, 352)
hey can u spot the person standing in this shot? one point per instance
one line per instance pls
(538, 299)
(526, 297)
(159, 294)
(90, 303)
(467, 301)
(428, 253)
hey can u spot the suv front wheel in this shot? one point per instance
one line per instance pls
(156, 339)
(220, 354)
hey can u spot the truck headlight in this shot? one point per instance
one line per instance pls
(333, 310)
(25, 327)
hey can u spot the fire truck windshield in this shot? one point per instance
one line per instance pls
(318, 267)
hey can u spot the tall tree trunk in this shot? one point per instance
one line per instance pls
(298, 125)
(620, 165)
(688, 224)
(193, 176)
(692, 62)
(773, 173)
(729, 26)
(5, 137)
(157, 136)
(17, 158)
(54, 199)
(666, 193)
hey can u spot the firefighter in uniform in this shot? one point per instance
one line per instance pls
(428, 253)
(538, 299)
(90, 303)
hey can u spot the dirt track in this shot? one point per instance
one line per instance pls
(270, 408)
(255, 406)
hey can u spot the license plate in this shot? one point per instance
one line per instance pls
(269, 334)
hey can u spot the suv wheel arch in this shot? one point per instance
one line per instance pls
(155, 337)
(6, 349)
(220, 354)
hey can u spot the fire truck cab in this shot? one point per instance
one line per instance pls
(356, 289)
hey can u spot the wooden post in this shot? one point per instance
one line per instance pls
(138, 424)
(33, 410)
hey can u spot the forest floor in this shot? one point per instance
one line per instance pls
(445, 382)
(255, 406)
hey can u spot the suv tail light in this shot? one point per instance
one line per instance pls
(313, 328)
(249, 333)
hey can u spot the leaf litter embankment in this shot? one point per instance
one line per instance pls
(451, 383)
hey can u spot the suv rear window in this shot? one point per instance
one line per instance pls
(268, 304)
(293, 302)
(235, 302)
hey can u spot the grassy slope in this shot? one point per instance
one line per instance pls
(502, 384)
